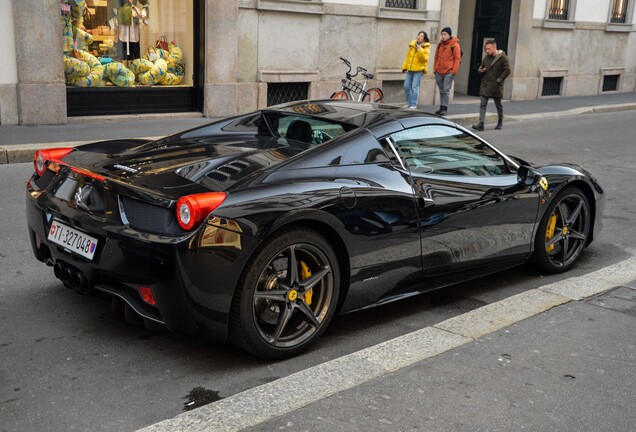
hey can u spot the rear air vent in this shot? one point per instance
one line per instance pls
(149, 218)
(225, 172)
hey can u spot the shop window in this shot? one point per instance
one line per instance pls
(610, 82)
(551, 86)
(278, 93)
(618, 13)
(128, 43)
(401, 4)
(559, 10)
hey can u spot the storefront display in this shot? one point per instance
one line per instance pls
(132, 56)
(126, 43)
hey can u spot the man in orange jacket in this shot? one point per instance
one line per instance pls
(448, 55)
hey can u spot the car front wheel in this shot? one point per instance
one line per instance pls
(563, 231)
(287, 296)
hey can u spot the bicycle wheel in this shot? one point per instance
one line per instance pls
(373, 95)
(340, 95)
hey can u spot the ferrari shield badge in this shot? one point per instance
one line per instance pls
(544, 183)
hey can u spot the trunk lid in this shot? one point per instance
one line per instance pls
(171, 167)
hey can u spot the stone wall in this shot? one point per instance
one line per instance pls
(583, 55)
(304, 43)
(41, 91)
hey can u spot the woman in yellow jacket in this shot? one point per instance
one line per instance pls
(415, 65)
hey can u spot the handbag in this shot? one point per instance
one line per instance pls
(153, 54)
(162, 43)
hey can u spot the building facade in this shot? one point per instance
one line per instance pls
(222, 57)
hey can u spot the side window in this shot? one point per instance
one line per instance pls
(444, 150)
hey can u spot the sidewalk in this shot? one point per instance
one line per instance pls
(558, 358)
(18, 143)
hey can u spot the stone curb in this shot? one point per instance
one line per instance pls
(577, 111)
(268, 401)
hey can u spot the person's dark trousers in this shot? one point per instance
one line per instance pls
(482, 110)
(444, 84)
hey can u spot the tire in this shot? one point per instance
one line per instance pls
(340, 95)
(563, 231)
(373, 95)
(286, 296)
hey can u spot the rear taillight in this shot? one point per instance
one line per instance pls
(192, 209)
(42, 156)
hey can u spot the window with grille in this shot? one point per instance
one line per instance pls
(619, 11)
(278, 93)
(559, 10)
(402, 4)
(551, 86)
(610, 82)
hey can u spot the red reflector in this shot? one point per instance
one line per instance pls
(147, 295)
(193, 209)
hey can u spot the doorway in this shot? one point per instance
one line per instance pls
(492, 21)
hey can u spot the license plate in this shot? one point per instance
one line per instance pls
(72, 239)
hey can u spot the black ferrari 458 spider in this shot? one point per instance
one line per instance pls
(257, 229)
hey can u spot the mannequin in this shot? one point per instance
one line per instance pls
(127, 20)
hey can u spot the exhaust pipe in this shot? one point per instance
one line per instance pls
(71, 277)
(79, 283)
(67, 274)
(57, 270)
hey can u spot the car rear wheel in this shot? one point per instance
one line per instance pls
(563, 231)
(287, 296)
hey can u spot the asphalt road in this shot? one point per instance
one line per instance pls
(66, 363)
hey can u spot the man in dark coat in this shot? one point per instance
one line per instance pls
(494, 69)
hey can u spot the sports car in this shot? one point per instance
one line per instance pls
(257, 229)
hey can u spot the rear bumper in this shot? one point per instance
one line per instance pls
(192, 277)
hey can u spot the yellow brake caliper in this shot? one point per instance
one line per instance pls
(549, 231)
(305, 273)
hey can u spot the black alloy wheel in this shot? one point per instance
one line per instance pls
(287, 296)
(563, 231)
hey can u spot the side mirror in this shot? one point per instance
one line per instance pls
(527, 176)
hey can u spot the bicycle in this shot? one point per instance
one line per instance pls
(350, 86)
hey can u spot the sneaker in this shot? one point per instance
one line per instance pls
(412, 107)
(406, 106)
